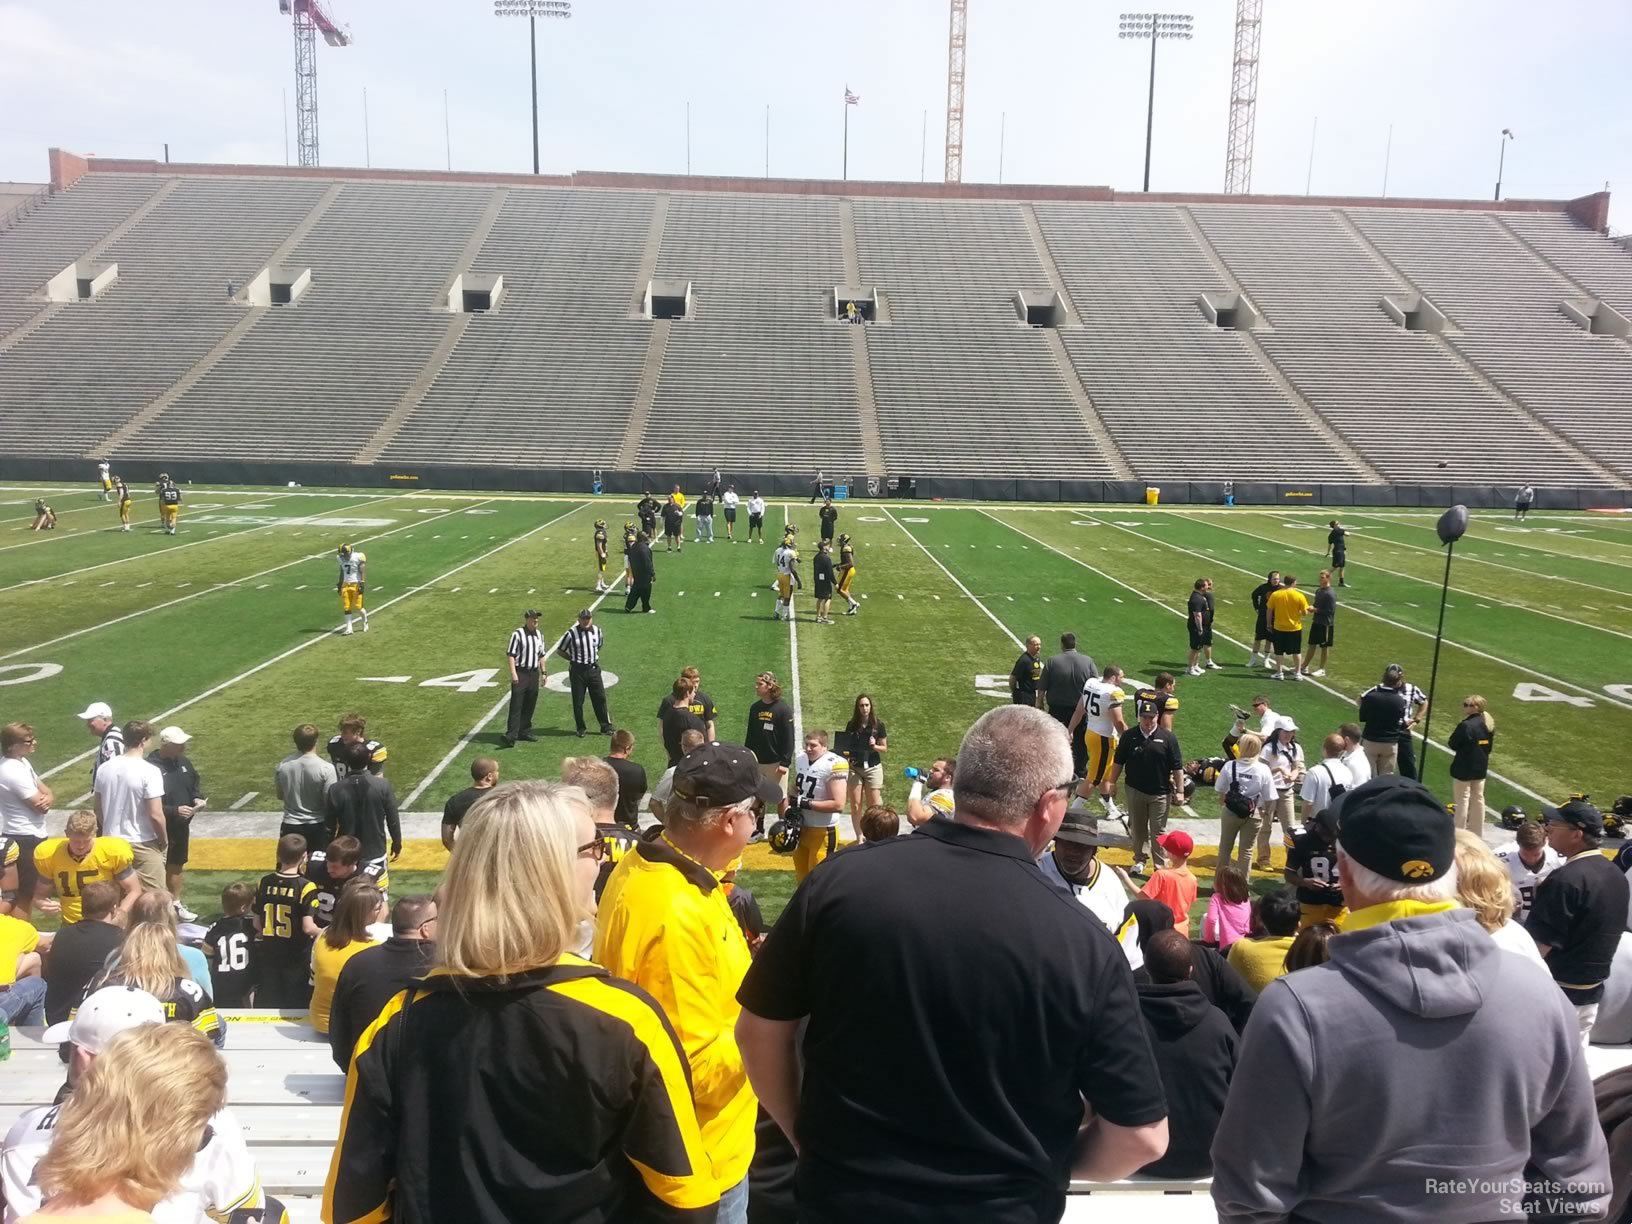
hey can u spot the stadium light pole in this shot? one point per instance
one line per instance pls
(1154, 26)
(533, 10)
(1501, 160)
(1452, 526)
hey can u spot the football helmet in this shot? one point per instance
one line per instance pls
(782, 838)
(1513, 816)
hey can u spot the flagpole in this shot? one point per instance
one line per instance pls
(845, 171)
(767, 140)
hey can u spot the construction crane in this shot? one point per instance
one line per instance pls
(310, 21)
(1249, 29)
(954, 91)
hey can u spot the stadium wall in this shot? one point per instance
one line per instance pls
(578, 481)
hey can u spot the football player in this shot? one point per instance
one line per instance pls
(1099, 712)
(354, 730)
(45, 518)
(847, 573)
(819, 783)
(169, 505)
(629, 534)
(105, 478)
(351, 584)
(123, 491)
(600, 556)
(786, 559)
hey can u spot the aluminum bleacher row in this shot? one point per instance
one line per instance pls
(1137, 382)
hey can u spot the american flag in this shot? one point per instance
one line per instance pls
(851, 99)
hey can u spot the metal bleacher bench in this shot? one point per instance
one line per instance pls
(285, 1091)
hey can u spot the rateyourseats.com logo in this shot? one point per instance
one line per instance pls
(1516, 1196)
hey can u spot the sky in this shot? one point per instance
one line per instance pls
(1418, 89)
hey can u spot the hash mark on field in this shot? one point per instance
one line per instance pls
(864, 594)
(1080, 599)
(530, 590)
(716, 594)
(111, 582)
(1589, 608)
(677, 594)
(936, 598)
(179, 585)
(244, 802)
(1046, 599)
(1116, 598)
(492, 590)
(1486, 607)
(455, 590)
(71, 582)
(464, 537)
(1555, 607)
(263, 586)
(1409, 604)
(1000, 546)
(1623, 608)
(140, 585)
(755, 595)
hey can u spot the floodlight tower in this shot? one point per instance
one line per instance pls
(1154, 26)
(955, 40)
(533, 10)
(310, 20)
(1249, 29)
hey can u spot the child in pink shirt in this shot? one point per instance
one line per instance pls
(1229, 912)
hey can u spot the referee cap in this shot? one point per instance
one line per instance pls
(585, 613)
(102, 1017)
(717, 775)
(531, 614)
(97, 709)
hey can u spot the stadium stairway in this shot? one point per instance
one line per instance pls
(1334, 438)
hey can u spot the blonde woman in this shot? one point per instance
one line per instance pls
(1471, 740)
(148, 960)
(133, 1126)
(360, 906)
(160, 907)
(1284, 756)
(529, 1080)
(1484, 886)
(1246, 791)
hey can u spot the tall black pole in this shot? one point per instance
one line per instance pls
(1433, 671)
(532, 43)
(1150, 107)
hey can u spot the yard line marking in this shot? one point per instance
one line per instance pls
(1319, 684)
(990, 615)
(244, 802)
(1530, 608)
(1523, 669)
(159, 552)
(313, 640)
(1532, 546)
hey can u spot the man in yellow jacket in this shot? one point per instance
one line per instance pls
(666, 925)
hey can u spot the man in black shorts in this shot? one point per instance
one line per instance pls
(674, 521)
(1337, 545)
(822, 575)
(1200, 620)
(1322, 625)
(829, 514)
(646, 510)
(1263, 644)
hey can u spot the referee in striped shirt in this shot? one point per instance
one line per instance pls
(525, 655)
(580, 646)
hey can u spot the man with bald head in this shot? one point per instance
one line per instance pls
(1012, 955)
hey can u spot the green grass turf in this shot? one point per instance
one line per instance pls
(224, 628)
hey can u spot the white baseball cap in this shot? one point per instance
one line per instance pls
(97, 709)
(1284, 723)
(173, 735)
(103, 1016)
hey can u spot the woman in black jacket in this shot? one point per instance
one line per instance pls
(1471, 740)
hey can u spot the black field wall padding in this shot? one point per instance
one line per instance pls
(796, 485)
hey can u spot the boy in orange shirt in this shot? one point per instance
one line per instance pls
(1175, 884)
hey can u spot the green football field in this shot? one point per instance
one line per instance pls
(228, 629)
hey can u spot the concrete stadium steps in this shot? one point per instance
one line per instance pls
(1601, 267)
(559, 361)
(1506, 305)
(1322, 296)
(754, 257)
(1180, 398)
(983, 401)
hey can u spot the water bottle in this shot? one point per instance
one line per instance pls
(911, 774)
(5, 1039)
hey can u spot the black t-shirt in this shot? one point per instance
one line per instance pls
(1027, 672)
(453, 811)
(1020, 1006)
(822, 573)
(77, 955)
(677, 720)
(1260, 596)
(673, 516)
(1311, 855)
(1580, 912)
(1382, 715)
(705, 506)
(770, 732)
(863, 757)
(646, 508)
(1201, 605)
(631, 786)
(233, 970)
(1335, 541)
(1325, 606)
(281, 902)
(829, 515)
(1148, 760)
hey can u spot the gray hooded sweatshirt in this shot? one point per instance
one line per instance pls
(1421, 1074)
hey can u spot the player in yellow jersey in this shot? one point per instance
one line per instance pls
(169, 506)
(1099, 713)
(786, 559)
(351, 584)
(67, 864)
(123, 491)
(847, 573)
(600, 556)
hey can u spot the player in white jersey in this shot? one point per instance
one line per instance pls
(352, 583)
(786, 558)
(1529, 860)
(819, 785)
(1099, 712)
(104, 474)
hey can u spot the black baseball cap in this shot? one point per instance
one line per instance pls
(1577, 812)
(585, 613)
(1395, 826)
(717, 775)
(530, 614)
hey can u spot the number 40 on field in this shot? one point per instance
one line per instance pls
(1530, 691)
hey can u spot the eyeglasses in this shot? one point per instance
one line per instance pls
(593, 849)
(1065, 786)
